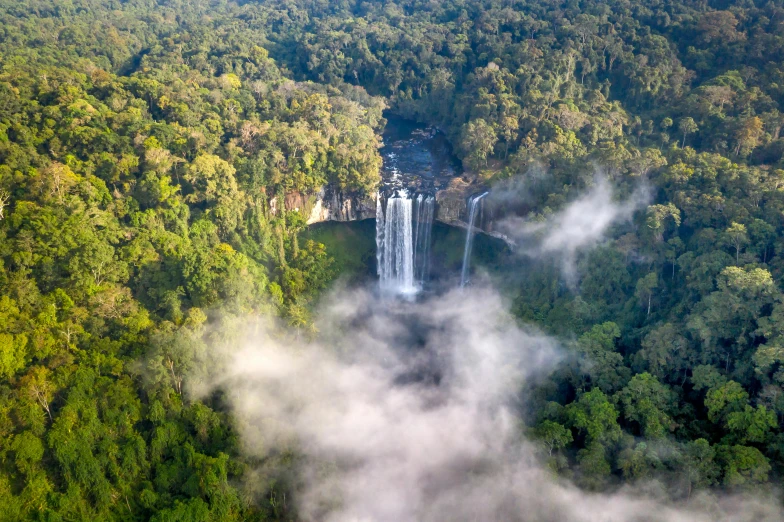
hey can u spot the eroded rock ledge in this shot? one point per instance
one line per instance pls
(330, 204)
(335, 205)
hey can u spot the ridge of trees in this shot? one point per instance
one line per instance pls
(142, 145)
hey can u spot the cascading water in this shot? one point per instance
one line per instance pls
(473, 205)
(396, 266)
(403, 233)
(425, 207)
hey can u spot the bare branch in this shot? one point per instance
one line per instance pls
(4, 198)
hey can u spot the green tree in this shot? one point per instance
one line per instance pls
(743, 465)
(646, 288)
(665, 352)
(687, 126)
(699, 465)
(593, 414)
(601, 360)
(553, 435)
(648, 403)
(657, 217)
(748, 135)
(725, 399)
(477, 141)
(737, 237)
(752, 424)
(13, 349)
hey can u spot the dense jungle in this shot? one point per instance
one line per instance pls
(149, 154)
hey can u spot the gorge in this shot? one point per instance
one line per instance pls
(422, 192)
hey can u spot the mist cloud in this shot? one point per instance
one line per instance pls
(581, 225)
(406, 412)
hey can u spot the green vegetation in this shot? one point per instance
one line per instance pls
(137, 193)
(146, 149)
(351, 247)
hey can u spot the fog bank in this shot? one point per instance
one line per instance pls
(407, 412)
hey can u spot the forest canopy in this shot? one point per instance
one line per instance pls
(147, 147)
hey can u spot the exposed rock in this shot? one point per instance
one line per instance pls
(452, 207)
(335, 205)
(298, 201)
(451, 203)
(328, 205)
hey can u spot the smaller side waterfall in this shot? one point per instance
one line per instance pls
(473, 205)
(423, 227)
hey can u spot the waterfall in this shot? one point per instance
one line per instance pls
(425, 206)
(473, 204)
(403, 234)
(396, 242)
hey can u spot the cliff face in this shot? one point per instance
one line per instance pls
(452, 208)
(451, 202)
(328, 205)
(334, 205)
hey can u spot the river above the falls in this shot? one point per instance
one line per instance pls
(417, 157)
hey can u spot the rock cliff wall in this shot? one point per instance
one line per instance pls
(328, 205)
(334, 205)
